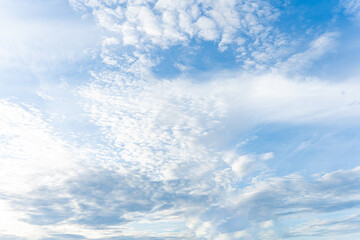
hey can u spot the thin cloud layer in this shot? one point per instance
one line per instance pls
(32, 157)
(352, 7)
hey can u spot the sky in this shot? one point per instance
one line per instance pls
(180, 119)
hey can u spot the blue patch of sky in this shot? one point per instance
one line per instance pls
(12, 78)
(304, 20)
(65, 236)
(64, 108)
(197, 57)
(342, 63)
(73, 73)
(307, 149)
(38, 9)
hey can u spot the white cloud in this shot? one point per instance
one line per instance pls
(166, 164)
(352, 7)
(234, 235)
(178, 128)
(269, 203)
(328, 228)
(243, 165)
(12, 220)
(32, 156)
(162, 152)
(176, 132)
(157, 126)
(267, 156)
(317, 48)
(165, 23)
(207, 28)
(248, 28)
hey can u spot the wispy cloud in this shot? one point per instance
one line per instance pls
(32, 157)
(352, 7)
(320, 46)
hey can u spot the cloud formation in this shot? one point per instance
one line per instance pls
(178, 130)
(245, 26)
(153, 158)
(162, 153)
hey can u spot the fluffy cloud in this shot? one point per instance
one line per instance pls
(163, 23)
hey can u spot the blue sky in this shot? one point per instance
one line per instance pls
(191, 119)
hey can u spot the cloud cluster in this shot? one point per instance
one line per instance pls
(269, 203)
(245, 26)
(173, 134)
(165, 147)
